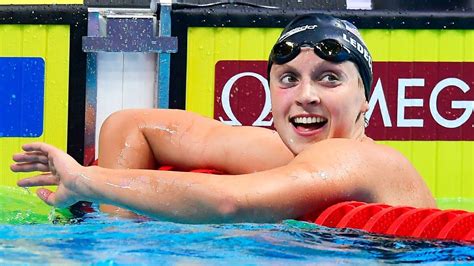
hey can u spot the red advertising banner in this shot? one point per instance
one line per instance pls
(242, 95)
(410, 100)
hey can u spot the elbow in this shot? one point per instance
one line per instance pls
(227, 208)
(237, 208)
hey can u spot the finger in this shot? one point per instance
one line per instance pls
(53, 198)
(31, 152)
(30, 157)
(39, 180)
(29, 167)
(32, 146)
(39, 146)
(47, 196)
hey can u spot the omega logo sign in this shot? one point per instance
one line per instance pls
(409, 101)
(228, 109)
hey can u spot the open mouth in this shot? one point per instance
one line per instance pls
(308, 123)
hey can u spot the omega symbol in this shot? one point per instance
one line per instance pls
(228, 109)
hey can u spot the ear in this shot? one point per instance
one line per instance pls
(365, 106)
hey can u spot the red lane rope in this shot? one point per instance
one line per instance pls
(400, 221)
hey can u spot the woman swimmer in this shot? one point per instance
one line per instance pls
(320, 76)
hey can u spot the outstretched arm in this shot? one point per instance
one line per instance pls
(326, 173)
(176, 196)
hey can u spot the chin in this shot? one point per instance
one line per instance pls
(298, 148)
(298, 145)
(295, 151)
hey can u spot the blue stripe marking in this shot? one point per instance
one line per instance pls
(21, 96)
(164, 60)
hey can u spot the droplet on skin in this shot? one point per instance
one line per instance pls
(320, 174)
(84, 176)
(323, 175)
(161, 128)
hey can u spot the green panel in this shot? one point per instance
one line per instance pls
(20, 206)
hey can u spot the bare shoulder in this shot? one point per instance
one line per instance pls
(366, 158)
(385, 172)
(367, 151)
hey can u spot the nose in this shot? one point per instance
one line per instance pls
(307, 94)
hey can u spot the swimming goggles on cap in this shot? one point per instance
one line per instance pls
(329, 49)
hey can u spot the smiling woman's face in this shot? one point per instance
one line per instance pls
(314, 99)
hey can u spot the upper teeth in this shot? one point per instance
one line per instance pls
(309, 120)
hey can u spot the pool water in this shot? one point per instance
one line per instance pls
(102, 240)
(38, 234)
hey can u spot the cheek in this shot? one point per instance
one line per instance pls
(280, 100)
(343, 111)
(280, 109)
(338, 112)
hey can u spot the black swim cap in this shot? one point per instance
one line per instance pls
(333, 39)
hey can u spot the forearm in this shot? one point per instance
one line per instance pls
(175, 196)
(200, 198)
(143, 138)
(140, 139)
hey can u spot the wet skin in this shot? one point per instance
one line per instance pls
(321, 157)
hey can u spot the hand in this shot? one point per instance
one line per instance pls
(58, 169)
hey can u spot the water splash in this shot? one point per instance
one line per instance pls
(20, 206)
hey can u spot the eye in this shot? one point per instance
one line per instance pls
(288, 79)
(330, 78)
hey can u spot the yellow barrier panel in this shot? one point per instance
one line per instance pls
(447, 166)
(210, 45)
(50, 42)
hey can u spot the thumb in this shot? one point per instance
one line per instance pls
(47, 196)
